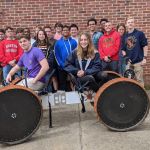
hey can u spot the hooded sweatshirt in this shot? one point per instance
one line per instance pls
(109, 45)
(62, 49)
(9, 50)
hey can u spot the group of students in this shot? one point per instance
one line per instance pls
(85, 55)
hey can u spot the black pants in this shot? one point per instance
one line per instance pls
(111, 66)
(90, 80)
(62, 77)
(94, 81)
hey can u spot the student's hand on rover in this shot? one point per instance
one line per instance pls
(8, 78)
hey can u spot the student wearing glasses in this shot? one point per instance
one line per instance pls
(63, 47)
(94, 33)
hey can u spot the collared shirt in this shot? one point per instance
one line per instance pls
(95, 38)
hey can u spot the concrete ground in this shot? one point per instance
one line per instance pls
(73, 130)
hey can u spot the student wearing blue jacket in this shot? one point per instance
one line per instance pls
(62, 49)
(135, 47)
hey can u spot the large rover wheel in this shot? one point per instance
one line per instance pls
(110, 75)
(20, 114)
(122, 104)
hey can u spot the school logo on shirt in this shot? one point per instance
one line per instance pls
(131, 41)
(11, 48)
(108, 42)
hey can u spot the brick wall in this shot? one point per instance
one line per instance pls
(28, 13)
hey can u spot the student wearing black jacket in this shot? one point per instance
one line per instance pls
(84, 63)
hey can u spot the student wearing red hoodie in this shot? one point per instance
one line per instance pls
(109, 45)
(2, 36)
(10, 51)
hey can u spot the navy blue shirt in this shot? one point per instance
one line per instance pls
(133, 44)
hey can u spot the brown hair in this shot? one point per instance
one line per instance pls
(47, 26)
(2, 30)
(90, 48)
(8, 27)
(92, 19)
(45, 42)
(58, 24)
(38, 26)
(121, 25)
(24, 36)
(19, 30)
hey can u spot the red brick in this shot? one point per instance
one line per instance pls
(32, 12)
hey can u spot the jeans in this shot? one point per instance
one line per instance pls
(6, 70)
(1, 74)
(122, 66)
(49, 86)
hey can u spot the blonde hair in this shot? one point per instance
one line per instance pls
(128, 18)
(90, 48)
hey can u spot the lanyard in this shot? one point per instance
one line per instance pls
(68, 50)
(87, 63)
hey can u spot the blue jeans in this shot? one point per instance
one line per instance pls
(111, 66)
(122, 66)
(7, 69)
(49, 86)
